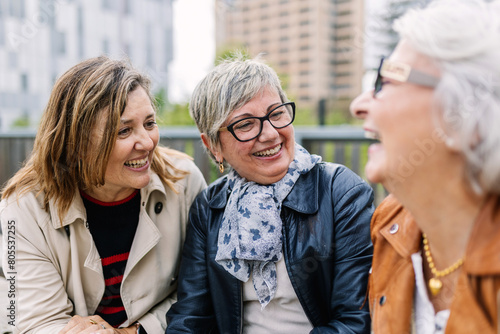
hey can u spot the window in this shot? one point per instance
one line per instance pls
(2, 31)
(60, 42)
(24, 82)
(12, 59)
(105, 46)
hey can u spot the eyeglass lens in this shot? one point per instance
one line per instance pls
(251, 127)
(378, 82)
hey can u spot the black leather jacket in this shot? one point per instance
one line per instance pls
(326, 247)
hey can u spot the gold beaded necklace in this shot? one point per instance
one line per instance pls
(435, 283)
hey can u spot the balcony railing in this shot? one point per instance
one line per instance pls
(341, 144)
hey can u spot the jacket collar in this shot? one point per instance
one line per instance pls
(77, 209)
(483, 249)
(482, 256)
(402, 233)
(306, 184)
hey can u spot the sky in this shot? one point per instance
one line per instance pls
(194, 46)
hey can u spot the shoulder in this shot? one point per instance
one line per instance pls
(216, 189)
(180, 164)
(25, 202)
(342, 179)
(26, 208)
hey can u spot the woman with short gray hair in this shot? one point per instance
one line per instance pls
(280, 244)
(435, 110)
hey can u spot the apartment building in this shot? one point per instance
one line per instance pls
(40, 39)
(316, 45)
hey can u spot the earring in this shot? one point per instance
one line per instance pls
(221, 167)
(450, 143)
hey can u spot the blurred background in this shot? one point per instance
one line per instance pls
(325, 51)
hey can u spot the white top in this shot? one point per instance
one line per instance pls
(427, 321)
(283, 314)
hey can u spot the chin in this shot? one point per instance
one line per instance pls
(373, 174)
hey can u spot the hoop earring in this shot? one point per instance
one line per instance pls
(221, 167)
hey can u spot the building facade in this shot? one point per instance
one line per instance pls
(41, 39)
(316, 45)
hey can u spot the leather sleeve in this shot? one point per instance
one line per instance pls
(193, 312)
(352, 255)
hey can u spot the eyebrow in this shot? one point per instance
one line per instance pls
(245, 115)
(128, 121)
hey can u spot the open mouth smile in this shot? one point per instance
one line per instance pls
(372, 135)
(268, 153)
(137, 163)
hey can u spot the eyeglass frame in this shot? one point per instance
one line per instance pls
(402, 73)
(261, 119)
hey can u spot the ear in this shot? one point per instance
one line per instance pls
(214, 150)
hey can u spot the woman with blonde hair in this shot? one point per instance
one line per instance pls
(435, 110)
(97, 215)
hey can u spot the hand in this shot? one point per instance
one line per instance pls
(93, 324)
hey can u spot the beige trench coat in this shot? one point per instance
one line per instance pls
(57, 271)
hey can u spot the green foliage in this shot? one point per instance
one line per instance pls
(230, 51)
(22, 122)
(161, 100)
(175, 114)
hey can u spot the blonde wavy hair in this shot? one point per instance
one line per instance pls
(63, 160)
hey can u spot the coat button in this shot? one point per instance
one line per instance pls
(394, 228)
(158, 207)
(382, 300)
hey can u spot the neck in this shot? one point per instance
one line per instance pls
(105, 195)
(445, 210)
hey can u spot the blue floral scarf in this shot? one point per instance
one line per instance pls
(250, 237)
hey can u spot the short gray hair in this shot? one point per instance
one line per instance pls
(463, 38)
(228, 87)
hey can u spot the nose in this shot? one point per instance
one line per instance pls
(359, 106)
(144, 141)
(268, 132)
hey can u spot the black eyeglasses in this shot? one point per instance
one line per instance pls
(250, 128)
(402, 73)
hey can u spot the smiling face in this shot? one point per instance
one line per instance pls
(265, 159)
(401, 117)
(129, 162)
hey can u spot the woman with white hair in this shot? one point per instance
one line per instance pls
(435, 110)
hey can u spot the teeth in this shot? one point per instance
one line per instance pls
(269, 152)
(137, 163)
(372, 135)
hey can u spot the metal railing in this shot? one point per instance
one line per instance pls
(341, 144)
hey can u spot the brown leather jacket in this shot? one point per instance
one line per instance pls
(476, 303)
